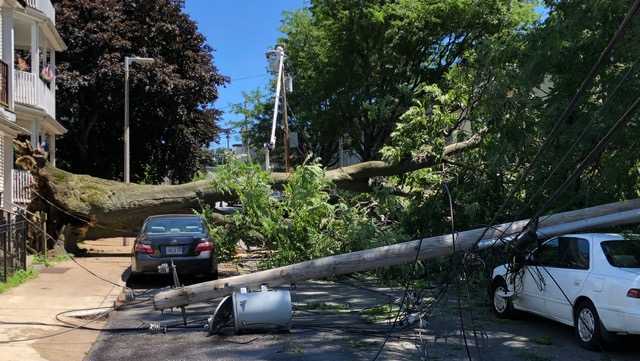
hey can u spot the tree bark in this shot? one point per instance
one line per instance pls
(86, 207)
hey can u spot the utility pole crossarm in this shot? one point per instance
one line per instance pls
(275, 56)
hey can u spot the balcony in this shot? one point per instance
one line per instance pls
(44, 6)
(32, 91)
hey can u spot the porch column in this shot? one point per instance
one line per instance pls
(35, 133)
(52, 66)
(52, 149)
(35, 51)
(8, 50)
(7, 192)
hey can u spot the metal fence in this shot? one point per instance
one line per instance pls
(14, 234)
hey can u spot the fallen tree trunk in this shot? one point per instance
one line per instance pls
(84, 207)
(607, 215)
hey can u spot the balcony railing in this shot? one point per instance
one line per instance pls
(45, 6)
(31, 90)
(4, 84)
(22, 184)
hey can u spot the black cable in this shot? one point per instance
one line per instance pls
(587, 126)
(604, 141)
(568, 300)
(569, 109)
(453, 243)
(71, 257)
(404, 296)
(586, 161)
(78, 218)
(55, 333)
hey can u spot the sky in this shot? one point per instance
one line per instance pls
(239, 32)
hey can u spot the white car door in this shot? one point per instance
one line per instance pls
(531, 295)
(565, 276)
(529, 289)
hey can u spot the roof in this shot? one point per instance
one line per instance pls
(596, 236)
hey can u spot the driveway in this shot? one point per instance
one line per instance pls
(331, 323)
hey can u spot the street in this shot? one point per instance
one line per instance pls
(331, 322)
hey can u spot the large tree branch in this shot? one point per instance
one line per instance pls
(356, 177)
(91, 207)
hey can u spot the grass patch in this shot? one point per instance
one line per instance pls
(543, 340)
(51, 261)
(379, 313)
(17, 279)
(532, 356)
(323, 306)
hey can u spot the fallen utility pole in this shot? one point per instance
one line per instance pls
(608, 215)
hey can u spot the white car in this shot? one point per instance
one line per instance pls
(589, 281)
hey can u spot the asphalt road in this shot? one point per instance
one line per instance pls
(328, 325)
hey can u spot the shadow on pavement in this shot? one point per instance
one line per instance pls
(329, 324)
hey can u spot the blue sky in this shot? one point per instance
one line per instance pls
(240, 31)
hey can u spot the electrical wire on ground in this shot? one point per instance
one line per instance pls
(402, 302)
(457, 280)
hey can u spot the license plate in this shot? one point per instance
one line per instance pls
(173, 250)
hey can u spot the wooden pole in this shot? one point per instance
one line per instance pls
(45, 248)
(397, 254)
(285, 119)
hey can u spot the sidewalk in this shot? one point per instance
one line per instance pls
(65, 286)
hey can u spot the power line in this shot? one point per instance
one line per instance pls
(71, 257)
(60, 332)
(453, 244)
(249, 77)
(568, 110)
(583, 133)
(402, 302)
(573, 145)
(604, 141)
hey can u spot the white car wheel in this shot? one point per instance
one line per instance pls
(499, 302)
(589, 330)
(586, 325)
(501, 305)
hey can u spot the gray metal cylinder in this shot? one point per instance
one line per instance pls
(262, 310)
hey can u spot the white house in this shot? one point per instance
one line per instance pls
(29, 42)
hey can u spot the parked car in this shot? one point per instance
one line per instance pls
(182, 239)
(588, 281)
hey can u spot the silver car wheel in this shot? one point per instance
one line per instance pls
(586, 324)
(499, 302)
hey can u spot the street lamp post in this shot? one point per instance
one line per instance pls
(127, 62)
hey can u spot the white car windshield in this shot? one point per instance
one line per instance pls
(622, 253)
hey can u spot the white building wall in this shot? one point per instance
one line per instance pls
(1, 37)
(1, 163)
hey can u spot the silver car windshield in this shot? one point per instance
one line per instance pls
(174, 225)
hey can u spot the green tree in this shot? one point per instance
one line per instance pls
(531, 77)
(357, 64)
(171, 120)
